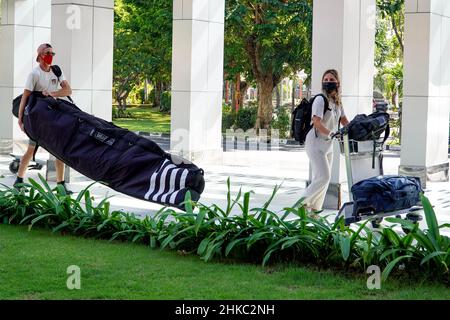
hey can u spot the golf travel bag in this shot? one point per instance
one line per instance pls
(116, 157)
(386, 193)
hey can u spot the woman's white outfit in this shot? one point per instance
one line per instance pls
(319, 149)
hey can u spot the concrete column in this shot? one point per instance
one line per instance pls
(426, 90)
(344, 39)
(197, 78)
(24, 25)
(82, 37)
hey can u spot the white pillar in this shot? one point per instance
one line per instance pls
(344, 39)
(426, 90)
(24, 25)
(197, 78)
(82, 37)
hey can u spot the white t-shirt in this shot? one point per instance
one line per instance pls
(40, 80)
(331, 118)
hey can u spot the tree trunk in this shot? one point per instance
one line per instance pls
(237, 93)
(242, 91)
(294, 86)
(158, 92)
(265, 106)
(227, 92)
(145, 91)
(277, 93)
(397, 33)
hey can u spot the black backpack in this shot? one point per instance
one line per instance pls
(369, 127)
(16, 102)
(301, 118)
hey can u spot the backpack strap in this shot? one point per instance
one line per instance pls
(58, 72)
(327, 103)
(326, 107)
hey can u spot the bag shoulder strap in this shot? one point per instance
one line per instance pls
(326, 106)
(325, 99)
(58, 72)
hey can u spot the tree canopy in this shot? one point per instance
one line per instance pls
(142, 43)
(268, 40)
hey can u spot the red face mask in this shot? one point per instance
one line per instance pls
(48, 59)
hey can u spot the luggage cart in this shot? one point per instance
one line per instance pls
(361, 154)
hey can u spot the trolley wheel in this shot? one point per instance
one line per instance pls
(376, 223)
(413, 217)
(14, 166)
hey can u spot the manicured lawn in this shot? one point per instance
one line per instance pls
(146, 120)
(33, 265)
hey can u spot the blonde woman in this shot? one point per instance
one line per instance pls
(318, 143)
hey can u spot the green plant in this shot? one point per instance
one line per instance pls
(431, 249)
(238, 231)
(166, 100)
(228, 117)
(121, 114)
(282, 122)
(246, 117)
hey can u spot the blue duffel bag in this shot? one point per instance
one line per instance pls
(387, 193)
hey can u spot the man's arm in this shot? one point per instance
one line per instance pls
(65, 90)
(23, 101)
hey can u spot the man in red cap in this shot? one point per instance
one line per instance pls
(42, 79)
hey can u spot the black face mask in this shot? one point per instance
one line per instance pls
(329, 87)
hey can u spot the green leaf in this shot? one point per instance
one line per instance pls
(430, 217)
(391, 266)
(61, 226)
(199, 221)
(231, 245)
(433, 255)
(345, 245)
(37, 219)
(202, 246)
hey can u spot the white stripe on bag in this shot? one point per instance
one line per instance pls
(182, 185)
(153, 180)
(162, 185)
(172, 185)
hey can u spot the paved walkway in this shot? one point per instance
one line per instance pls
(257, 171)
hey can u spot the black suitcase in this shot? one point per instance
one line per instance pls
(116, 157)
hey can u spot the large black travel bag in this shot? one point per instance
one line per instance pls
(385, 194)
(123, 160)
(369, 127)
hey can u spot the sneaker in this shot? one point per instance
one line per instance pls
(17, 184)
(63, 183)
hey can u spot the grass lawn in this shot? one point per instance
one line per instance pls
(33, 265)
(146, 120)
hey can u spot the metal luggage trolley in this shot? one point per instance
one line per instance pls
(363, 160)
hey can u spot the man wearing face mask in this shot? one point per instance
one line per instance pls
(44, 80)
(327, 113)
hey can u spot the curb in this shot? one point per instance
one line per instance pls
(153, 134)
